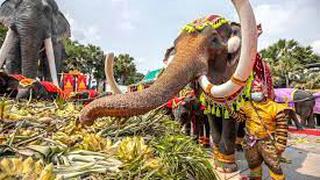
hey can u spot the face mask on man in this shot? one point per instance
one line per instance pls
(257, 96)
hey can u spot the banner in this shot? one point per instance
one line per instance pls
(82, 83)
(68, 83)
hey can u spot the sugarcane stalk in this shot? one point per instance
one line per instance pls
(34, 138)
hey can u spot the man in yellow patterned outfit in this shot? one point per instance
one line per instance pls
(266, 132)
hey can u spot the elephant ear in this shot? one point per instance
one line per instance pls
(7, 11)
(63, 27)
(51, 4)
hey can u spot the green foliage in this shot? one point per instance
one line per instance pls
(90, 59)
(182, 158)
(150, 146)
(87, 59)
(125, 70)
(288, 60)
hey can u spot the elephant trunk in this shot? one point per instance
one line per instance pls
(30, 46)
(51, 60)
(6, 46)
(177, 75)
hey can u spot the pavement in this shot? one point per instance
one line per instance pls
(304, 153)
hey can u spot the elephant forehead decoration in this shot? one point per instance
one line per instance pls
(213, 21)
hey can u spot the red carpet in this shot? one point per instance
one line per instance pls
(314, 132)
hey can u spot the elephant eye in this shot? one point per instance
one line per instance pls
(215, 42)
(235, 32)
(173, 52)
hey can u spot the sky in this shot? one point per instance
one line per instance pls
(146, 28)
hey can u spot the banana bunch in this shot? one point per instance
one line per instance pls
(15, 168)
(154, 164)
(27, 132)
(131, 148)
(69, 110)
(93, 142)
(72, 128)
(3, 108)
(15, 113)
(66, 139)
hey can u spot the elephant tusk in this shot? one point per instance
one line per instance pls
(247, 56)
(108, 68)
(51, 60)
(170, 59)
(6, 46)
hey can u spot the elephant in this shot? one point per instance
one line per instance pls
(34, 27)
(304, 102)
(207, 51)
(188, 112)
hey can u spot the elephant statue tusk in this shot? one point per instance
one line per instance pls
(6, 46)
(247, 56)
(51, 60)
(108, 68)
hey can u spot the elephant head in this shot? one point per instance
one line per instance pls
(197, 53)
(182, 111)
(31, 25)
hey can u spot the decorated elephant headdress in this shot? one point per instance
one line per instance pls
(213, 21)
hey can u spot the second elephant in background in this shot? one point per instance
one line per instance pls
(188, 111)
(34, 27)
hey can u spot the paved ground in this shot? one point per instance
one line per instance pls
(304, 154)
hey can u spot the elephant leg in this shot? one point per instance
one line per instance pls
(45, 70)
(240, 134)
(317, 119)
(226, 156)
(200, 127)
(311, 121)
(206, 132)
(187, 128)
(13, 59)
(223, 161)
(215, 128)
(200, 130)
(302, 118)
(228, 137)
(293, 116)
(207, 127)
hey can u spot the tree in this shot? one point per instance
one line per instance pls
(90, 59)
(86, 59)
(125, 70)
(288, 59)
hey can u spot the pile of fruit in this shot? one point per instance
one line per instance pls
(43, 140)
